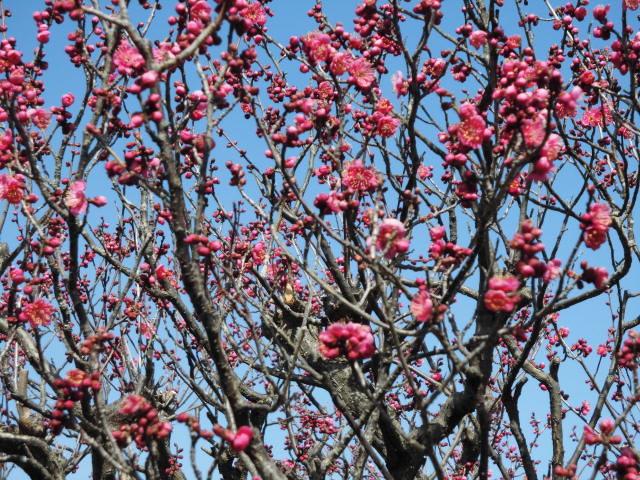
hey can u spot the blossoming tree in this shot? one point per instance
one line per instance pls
(356, 244)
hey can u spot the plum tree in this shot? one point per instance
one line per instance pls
(379, 240)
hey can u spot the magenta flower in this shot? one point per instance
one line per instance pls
(127, 59)
(595, 225)
(471, 130)
(352, 339)
(362, 71)
(387, 126)
(242, 438)
(478, 38)
(359, 178)
(501, 294)
(390, 238)
(76, 199)
(340, 63)
(12, 188)
(422, 306)
(38, 313)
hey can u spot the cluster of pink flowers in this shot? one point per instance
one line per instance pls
(472, 131)
(37, 313)
(630, 351)
(318, 48)
(606, 429)
(595, 224)
(143, 423)
(354, 340)
(12, 188)
(501, 295)
(529, 265)
(390, 238)
(548, 153)
(239, 440)
(73, 388)
(627, 465)
(446, 254)
(358, 178)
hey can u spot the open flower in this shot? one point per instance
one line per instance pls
(422, 306)
(362, 71)
(76, 199)
(471, 130)
(359, 178)
(390, 238)
(38, 313)
(127, 59)
(501, 295)
(12, 188)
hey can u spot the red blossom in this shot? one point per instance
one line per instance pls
(390, 238)
(422, 306)
(351, 339)
(501, 295)
(38, 313)
(12, 188)
(358, 178)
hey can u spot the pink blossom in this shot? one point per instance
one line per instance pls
(362, 71)
(318, 46)
(422, 306)
(99, 201)
(596, 275)
(478, 38)
(127, 59)
(352, 339)
(259, 253)
(12, 188)
(471, 130)
(40, 117)
(254, 14)
(242, 438)
(501, 294)
(163, 52)
(595, 225)
(76, 199)
(590, 436)
(387, 126)
(598, 117)
(390, 238)
(359, 178)
(534, 129)
(552, 270)
(68, 99)
(149, 78)
(631, 4)
(340, 63)
(201, 10)
(38, 313)
(552, 147)
(399, 84)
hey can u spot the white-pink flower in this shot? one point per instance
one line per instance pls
(76, 199)
(422, 306)
(390, 238)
